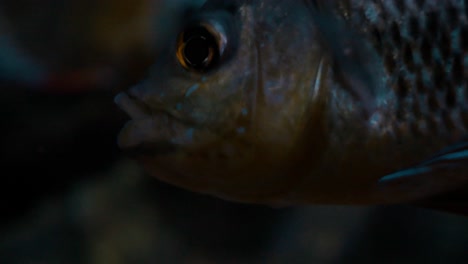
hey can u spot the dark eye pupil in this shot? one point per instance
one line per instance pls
(197, 51)
(200, 48)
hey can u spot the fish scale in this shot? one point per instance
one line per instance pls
(424, 46)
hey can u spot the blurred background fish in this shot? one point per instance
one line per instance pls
(69, 195)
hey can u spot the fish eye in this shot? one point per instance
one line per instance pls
(199, 48)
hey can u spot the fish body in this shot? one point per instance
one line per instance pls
(305, 102)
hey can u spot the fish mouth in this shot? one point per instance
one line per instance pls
(131, 105)
(150, 131)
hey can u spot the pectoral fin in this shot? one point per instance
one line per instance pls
(454, 157)
(444, 173)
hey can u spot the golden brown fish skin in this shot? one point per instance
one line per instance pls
(278, 123)
(255, 120)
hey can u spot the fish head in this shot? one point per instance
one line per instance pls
(225, 106)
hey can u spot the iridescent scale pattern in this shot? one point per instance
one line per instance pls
(424, 47)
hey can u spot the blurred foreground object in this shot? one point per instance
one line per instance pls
(78, 45)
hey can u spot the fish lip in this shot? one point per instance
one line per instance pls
(139, 112)
(150, 131)
(137, 109)
(132, 106)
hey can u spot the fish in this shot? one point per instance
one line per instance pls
(276, 102)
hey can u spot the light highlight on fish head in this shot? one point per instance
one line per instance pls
(225, 109)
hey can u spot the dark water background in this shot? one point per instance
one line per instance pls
(68, 195)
